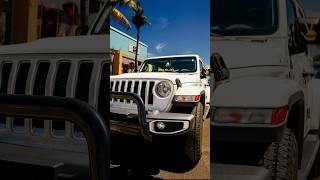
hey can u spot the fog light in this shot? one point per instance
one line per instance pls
(161, 125)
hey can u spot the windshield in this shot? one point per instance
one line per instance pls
(103, 24)
(177, 64)
(243, 18)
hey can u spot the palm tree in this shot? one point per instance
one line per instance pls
(139, 20)
(117, 15)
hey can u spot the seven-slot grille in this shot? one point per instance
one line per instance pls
(144, 88)
(86, 80)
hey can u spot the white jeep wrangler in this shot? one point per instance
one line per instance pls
(175, 94)
(265, 100)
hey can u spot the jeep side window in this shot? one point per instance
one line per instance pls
(294, 46)
(103, 23)
(201, 66)
(291, 18)
(219, 68)
(202, 75)
(291, 14)
(300, 13)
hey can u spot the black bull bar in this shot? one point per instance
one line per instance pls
(142, 112)
(83, 115)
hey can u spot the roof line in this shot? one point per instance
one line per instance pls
(126, 35)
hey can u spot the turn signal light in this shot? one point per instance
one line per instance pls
(187, 98)
(279, 115)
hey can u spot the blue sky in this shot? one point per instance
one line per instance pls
(311, 5)
(177, 27)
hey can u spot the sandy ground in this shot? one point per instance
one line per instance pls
(202, 170)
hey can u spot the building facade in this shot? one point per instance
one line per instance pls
(27, 20)
(123, 48)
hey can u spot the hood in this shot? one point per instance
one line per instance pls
(249, 53)
(184, 77)
(255, 92)
(58, 45)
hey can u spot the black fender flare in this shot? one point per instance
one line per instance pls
(297, 127)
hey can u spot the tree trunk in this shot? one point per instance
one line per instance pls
(137, 50)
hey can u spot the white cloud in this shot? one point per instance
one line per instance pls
(164, 22)
(151, 54)
(188, 52)
(160, 46)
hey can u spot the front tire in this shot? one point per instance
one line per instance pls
(193, 139)
(183, 152)
(281, 158)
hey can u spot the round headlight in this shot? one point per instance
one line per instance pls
(163, 89)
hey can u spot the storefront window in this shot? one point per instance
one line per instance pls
(55, 18)
(63, 17)
(2, 27)
(58, 18)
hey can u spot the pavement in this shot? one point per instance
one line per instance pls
(202, 170)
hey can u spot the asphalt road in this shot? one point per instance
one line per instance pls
(202, 170)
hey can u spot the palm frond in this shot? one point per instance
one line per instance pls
(146, 20)
(133, 4)
(118, 16)
(139, 20)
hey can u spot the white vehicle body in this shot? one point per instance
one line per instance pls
(265, 75)
(53, 67)
(191, 85)
(264, 81)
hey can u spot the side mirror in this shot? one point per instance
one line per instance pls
(309, 30)
(218, 68)
(205, 73)
(82, 30)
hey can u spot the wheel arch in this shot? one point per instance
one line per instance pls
(203, 98)
(295, 121)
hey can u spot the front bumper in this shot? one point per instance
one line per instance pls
(221, 132)
(145, 123)
(175, 124)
